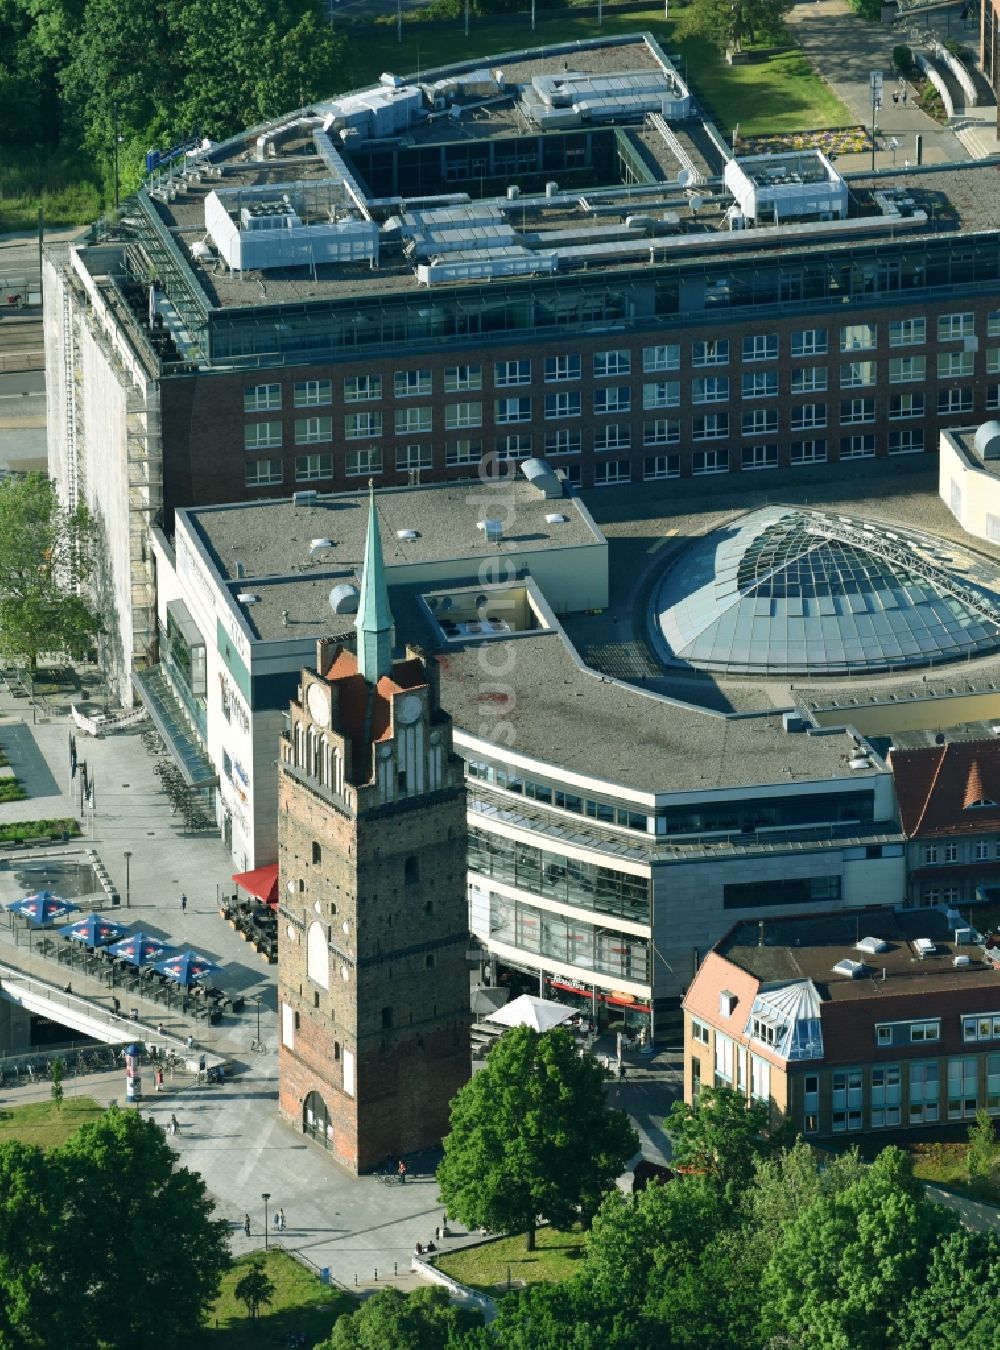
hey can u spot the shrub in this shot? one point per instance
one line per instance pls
(902, 59)
(868, 9)
(36, 829)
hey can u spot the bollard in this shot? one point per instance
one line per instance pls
(355, 1279)
(376, 1277)
(395, 1268)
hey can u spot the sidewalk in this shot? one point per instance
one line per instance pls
(844, 50)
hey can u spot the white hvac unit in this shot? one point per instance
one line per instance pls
(852, 969)
(871, 945)
(924, 947)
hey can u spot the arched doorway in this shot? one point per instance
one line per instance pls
(316, 1119)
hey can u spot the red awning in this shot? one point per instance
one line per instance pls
(262, 882)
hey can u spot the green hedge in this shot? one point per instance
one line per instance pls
(36, 829)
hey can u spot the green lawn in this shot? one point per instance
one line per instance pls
(782, 93)
(486, 1267)
(63, 185)
(945, 1164)
(44, 1124)
(302, 1306)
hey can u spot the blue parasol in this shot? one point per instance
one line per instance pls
(187, 967)
(42, 908)
(141, 949)
(95, 931)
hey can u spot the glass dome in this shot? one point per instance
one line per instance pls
(798, 592)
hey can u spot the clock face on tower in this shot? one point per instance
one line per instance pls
(317, 702)
(408, 709)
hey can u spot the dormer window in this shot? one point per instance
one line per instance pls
(981, 801)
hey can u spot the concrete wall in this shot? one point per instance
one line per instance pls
(967, 489)
(689, 915)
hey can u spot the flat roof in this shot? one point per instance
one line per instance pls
(585, 226)
(272, 538)
(809, 946)
(565, 715)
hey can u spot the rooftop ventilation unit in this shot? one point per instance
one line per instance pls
(319, 545)
(852, 969)
(871, 945)
(555, 518)
(344, 598)
(964, 937)
(247, 598)
(857, 762)
(924, 947)
(408, 536)
(306, 498)
(492, 529)
(961, 961)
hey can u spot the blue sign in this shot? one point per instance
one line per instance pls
(154, 158)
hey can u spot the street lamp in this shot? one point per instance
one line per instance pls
(265, 1196)
(128, 893)
(257, 997)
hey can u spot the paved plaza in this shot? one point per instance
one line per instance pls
(231, 1134)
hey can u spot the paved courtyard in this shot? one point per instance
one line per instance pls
(231, 1134)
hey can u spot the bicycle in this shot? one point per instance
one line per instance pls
(384, 1178)
(258, 1047)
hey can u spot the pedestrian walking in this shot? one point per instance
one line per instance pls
(276, 1221)
(184, 903)
(175, 1125)
(281, 1220)
(895, 98)
(401, 1172)
(159, 1080)
(246, 1224)
(904, 98)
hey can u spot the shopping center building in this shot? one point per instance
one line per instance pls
(556, 255)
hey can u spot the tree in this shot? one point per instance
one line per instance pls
(667, 1260)
(35, 1310)
(785, 1183)
(840, 1273)
(57, 1083)
(255, 1290)
(45, 559)
(956, 1309)
(138, 1246)
(721, 1135)
(981, 1158)
(728, 24)
(532, 1134)
(568, 1316)
(423, 1320)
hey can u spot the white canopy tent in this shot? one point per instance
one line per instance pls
(539, 1013)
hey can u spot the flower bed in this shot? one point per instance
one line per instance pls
(836, 141)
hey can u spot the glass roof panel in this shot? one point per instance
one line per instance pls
(790, 589)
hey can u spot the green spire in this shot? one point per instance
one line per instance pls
(374, 621)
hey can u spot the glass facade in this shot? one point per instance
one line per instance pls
(557, 877)
(618, 955)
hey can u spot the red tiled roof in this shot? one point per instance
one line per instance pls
(937, 788)
(354, 697)
(716, 974)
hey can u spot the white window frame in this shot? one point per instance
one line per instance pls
(560, 369)
(610, 472)
(612, 399)
(666, 356)
(412, 383)
(908, 332)
(307, 472)
(262, 398)
(362, 388)
(463, 379)
(607, 365)
(313, 430)
(362, 426)
(261, 436)
(459, 415)
(274, 475)
(661, 466)
(363, 460)
(954, 327)
(312, 393)
(414, 420)
(512, 373)
(710, 352)
(760, 347)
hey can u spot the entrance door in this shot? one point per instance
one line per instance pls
(315, 1119)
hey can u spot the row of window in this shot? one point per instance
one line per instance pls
(948, 853)
(613, 436)
(460, 453)
(886, 1096)
(615, 399)
(557, 877)
(576, 943)
(608, 364)
(549, 796)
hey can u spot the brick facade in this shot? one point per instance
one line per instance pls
(373, 900)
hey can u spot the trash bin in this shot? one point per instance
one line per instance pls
(324, 1275)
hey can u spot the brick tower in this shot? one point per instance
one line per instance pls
(372, 978)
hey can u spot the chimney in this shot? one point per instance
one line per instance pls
(325, 649)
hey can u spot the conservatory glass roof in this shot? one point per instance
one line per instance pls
(787, 590)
